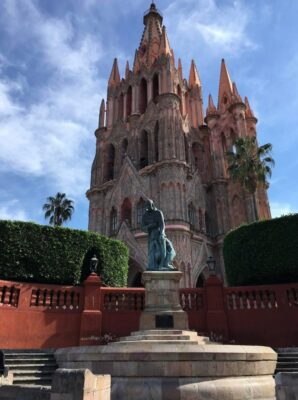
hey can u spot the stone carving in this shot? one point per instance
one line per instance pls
(160, 250)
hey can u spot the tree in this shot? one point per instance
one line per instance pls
(58, 209)
(250, 165)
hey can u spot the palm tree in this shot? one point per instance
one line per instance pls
(250, 165)
(58, 209)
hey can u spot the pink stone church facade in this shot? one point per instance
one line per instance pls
(155, 141)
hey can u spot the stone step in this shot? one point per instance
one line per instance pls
(158, 341)
(25, 363)
(9, 356)
(162, 332)
(31, 372)
(49, 365)
(156, 337)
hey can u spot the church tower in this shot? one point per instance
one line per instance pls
(154, 141)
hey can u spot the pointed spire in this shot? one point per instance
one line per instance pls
(211, 109)
(136, 63)
(115, 76)
(193, 75)
(225, 84)
(248, 112)
(164, 48)
(180, 70)
(127, 70)
(102, 114)
(236, 96)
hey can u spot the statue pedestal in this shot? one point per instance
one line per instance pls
(162, 301)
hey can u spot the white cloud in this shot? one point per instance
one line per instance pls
(223, 28)
(12, 211)
(279, 209)
(51, 137)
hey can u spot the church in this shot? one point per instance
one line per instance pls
(155, 141)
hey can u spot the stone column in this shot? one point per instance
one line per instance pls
(90, 330)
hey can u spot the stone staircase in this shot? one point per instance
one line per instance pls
(287, 360)
(31, 367)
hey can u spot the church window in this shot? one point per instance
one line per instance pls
(124, 146)
(156, 149)
(140, 211)
(155, 85)
(201, 223)
(186, 149)
(109, 163)
(208, 224)
(225, 100)
(186, 103)
(113, 221)
(129, 101)
(121, 106)
(143, 96)
(144, 150)
(126, 211)
(200, 281)
(191, 215)
(198, 157)
(180, 96)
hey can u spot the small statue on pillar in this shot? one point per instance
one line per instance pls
(160, 249)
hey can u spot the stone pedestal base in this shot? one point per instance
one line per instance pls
(162, 302)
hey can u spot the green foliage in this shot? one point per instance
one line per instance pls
(264, 252)
(35, 253)
(250, 164)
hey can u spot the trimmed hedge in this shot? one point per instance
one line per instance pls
(264, 252)
(35, 253)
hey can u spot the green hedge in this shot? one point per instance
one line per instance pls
(35, 253)
(264, 252)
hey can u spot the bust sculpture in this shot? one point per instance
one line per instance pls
(160, 249)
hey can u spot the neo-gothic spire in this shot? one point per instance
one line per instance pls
(115, 76)
(225, 83)
(180, 70)
(211, 109)
(127, 70)
(248, 112)
(152, 36)
(165, 48)
(236, 96)
(193, 75)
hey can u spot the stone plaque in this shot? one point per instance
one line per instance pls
(164, 321)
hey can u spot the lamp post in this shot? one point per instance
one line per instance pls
(93, 264)
(211, 265)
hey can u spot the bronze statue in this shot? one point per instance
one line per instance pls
(160, 249)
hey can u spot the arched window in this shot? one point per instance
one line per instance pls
(201, 222)
(129, 101)
(109, 162)
(113, 221)
(155, 86)
(179, 92)
(124, 146)
(191, 215)
(200, 281)
(156, 149)
(224, 152)
(197, 155)
(186, 149)
(140, 211)
(144, 149)
(186, 97)
(121, 106)
(143, 96)
(126, 211)
(208, 224)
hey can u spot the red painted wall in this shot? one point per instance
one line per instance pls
(52, 316)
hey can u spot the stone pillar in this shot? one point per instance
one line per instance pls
(216, 318)
(162, 301)
(80, 384)
(90, 330)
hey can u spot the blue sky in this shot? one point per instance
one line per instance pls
(56, 57)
